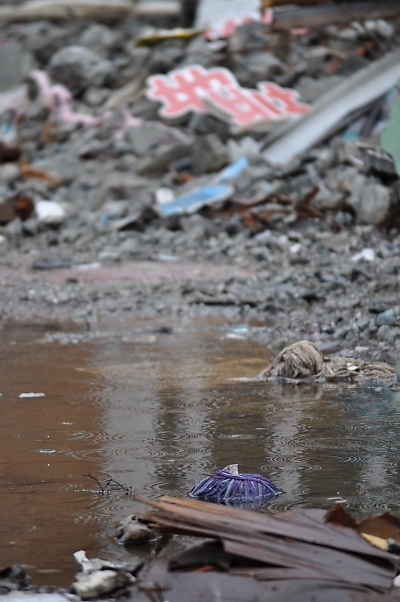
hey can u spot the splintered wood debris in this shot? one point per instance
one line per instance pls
(310, 554)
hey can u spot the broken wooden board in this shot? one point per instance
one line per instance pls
(157, 582)
(300, 542)
(343, 12)
(90, 9)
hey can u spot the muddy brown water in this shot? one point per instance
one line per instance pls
(158, 410)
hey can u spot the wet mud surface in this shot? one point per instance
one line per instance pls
(158, 407)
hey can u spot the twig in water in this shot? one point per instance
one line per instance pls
(128, 490)
(97, 481)
(106, 490)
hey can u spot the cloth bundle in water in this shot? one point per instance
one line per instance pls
(303, 361)
(228, 486)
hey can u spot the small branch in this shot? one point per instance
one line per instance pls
(97, 481)
(128, 490)
(106, 490)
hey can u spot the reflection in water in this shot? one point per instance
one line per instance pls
(160, 413)
(316, 442)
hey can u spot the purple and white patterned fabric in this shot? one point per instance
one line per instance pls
(225, 487)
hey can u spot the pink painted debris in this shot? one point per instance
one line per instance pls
(197, 89)
(57, 99)
(299, 31)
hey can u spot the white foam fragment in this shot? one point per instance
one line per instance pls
(50, 212)
(364, 255)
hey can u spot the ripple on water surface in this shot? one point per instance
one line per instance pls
(158, 416)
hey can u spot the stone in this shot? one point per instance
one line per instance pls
(44, 39)
(14, 65)
(202, 124)
(9, 172)
(143, 139)
(78, 68)
(198, 52)
(197, 227)
(64, 166)
(132, 532)
(388, 334)
(261, 64)
(165, 58)
(166, 155)
(252, 36)
(94, 97)
(100, 39)
(134, 67)
(369, 199)
(310, 89)
(209, 154)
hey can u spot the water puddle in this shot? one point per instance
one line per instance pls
(157, 409)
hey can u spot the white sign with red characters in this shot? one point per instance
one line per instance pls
(217, 91)
(222, 17)
(228, 27)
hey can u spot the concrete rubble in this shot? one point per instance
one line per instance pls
(90, 166)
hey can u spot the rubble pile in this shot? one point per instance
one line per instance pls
(124, 142)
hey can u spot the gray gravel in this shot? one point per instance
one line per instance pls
(293, 275)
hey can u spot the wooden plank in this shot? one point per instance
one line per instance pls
(297, 540)
(329, 563)
(94, 9)
(205, 587)
(242, 521)
(318, 16)
(201, 587)
(268, 574)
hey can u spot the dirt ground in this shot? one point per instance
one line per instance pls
(306, 259)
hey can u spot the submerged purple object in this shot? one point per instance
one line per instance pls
(228, 486)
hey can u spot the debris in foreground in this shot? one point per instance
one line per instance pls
(306, 553)
(100, 577)
(131, 532)
(303, 361)
(326, 556)
(228, 486)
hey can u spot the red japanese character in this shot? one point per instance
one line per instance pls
(271, 111)
(285, 100)
(239, 104)
(183, 90)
